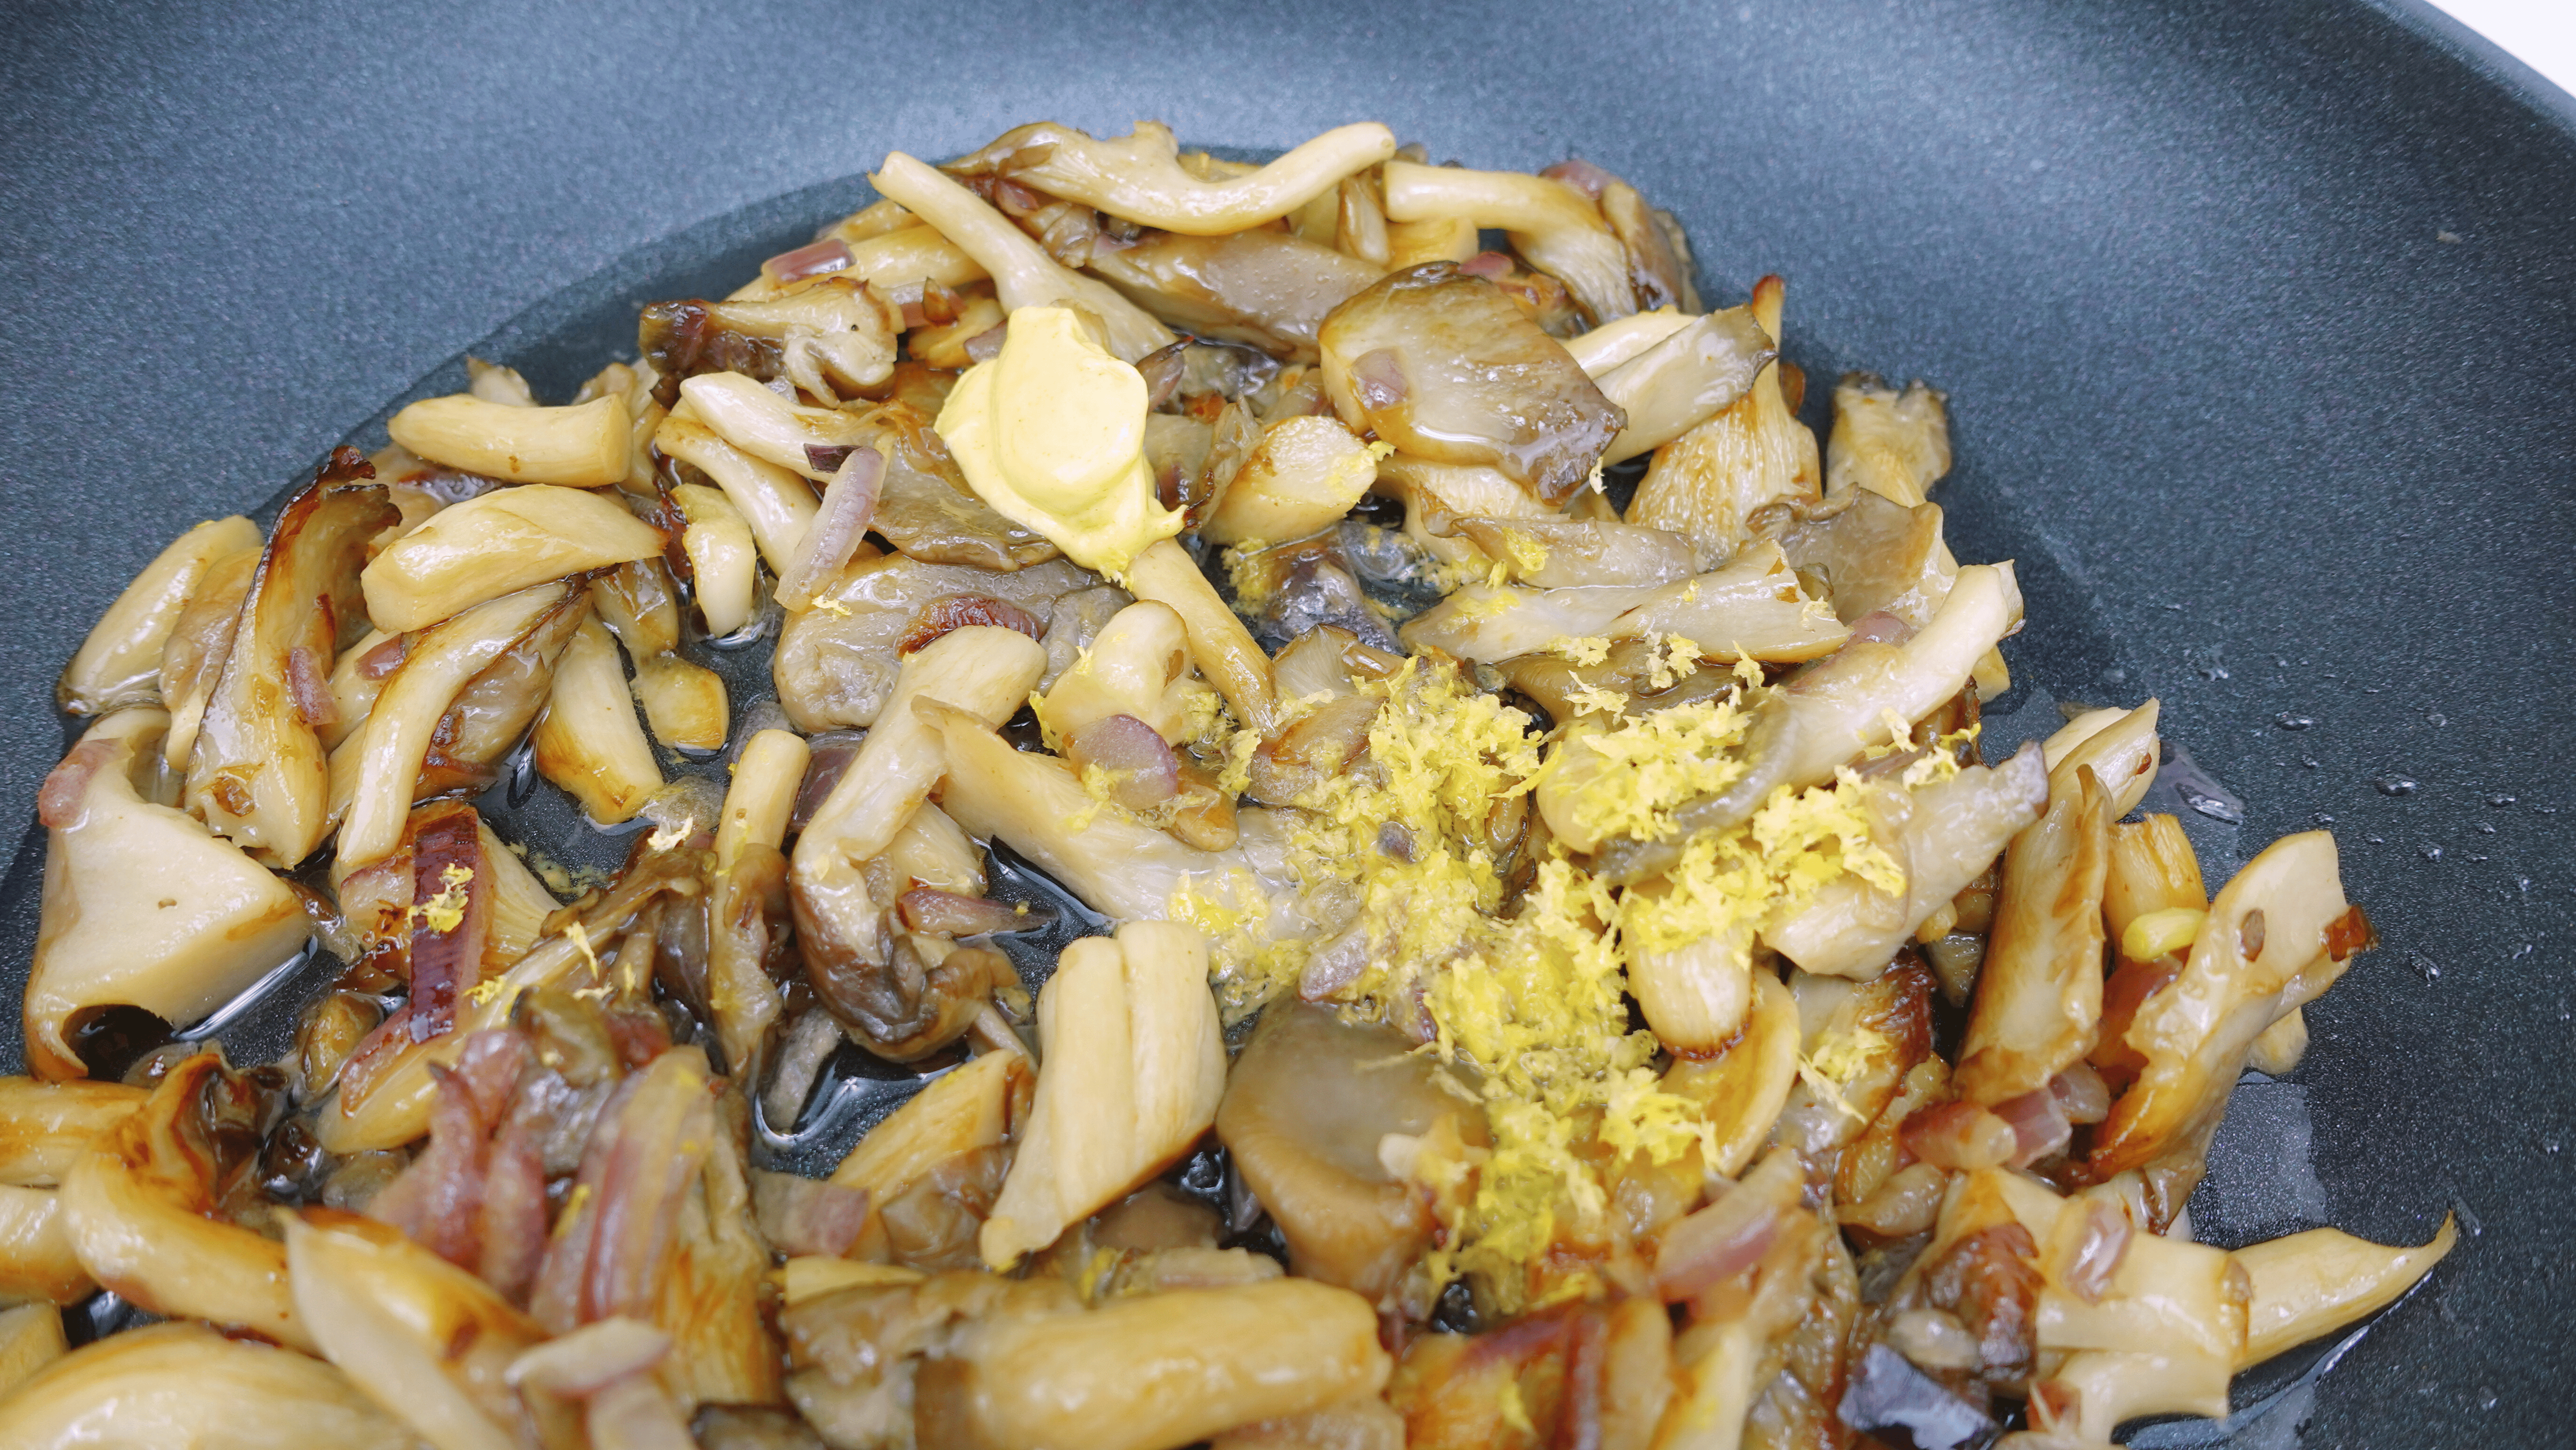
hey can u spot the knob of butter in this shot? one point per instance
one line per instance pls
(1051, 433)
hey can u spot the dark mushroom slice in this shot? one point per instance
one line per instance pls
(1441, 364)
(1304, 1110)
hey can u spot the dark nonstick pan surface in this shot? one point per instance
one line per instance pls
(2255, 320)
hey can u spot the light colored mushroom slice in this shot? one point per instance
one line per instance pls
(1132, 1066)
(1023, 274)
(37, 1259)
(1754, 608)
(1895, 444)
(584, 445)
(1875, 557)
(257, 773)
(1944, 834)
(500, 543)
(2311, 1284)
(142, 905)
(31, 1337)
(836, 662)
(119, 663)
(1140, 176)
(1269, 289)
(2039, 995)
(186, 1384)
(1738, 474)
(1741, 1089)
(45, 1125)
(1561, 553)
(775, 503)
(140, 1207)
(1303, 476)
(588, 740)
(1843, 704)
(386, 756)
(1684, 380)
(1554, 225)
(428, 1342)
(200, 641)
(1119, 866)
(1171, 1368)
(2276, 937)
(831, 336)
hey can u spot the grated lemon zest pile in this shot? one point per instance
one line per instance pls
(1581, 652)
(445, 912)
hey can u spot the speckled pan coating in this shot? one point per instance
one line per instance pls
(2254, 316)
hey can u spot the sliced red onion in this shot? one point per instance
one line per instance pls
(512, 1220)
(1162, 371)
(957, 611)
(947, 913)
(1378, 378)
(58, 804)
(800, 1215)
(849, 503)
(448, 872)
(2039, 1126)
(1582, 175)
(828, 755)
(308, 684)
(1492, 266)
(831, 254)
(1879, 627)
(488, 1068)
(2102, 1241)
(1715, 1244)
(2081, 1094)
(384, 659)
(436, 1198)
(1143, 771)
(1960, 1137)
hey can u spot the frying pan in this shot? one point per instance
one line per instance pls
(2254, 318)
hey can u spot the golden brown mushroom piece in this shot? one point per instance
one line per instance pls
(258, 774)
(1305, 1108)
(186, 1384)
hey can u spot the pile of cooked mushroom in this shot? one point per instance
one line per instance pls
(1557, 966)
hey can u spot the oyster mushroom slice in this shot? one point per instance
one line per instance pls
(497, 544)
(389, 750)
(258, 774)
(1140, 177)
(427, 1341)
(120, 662)
(142, 905)
(1305, 1109)
(1442, 365)
(186, 1384)
(140, 1205)
(1132, 1067)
